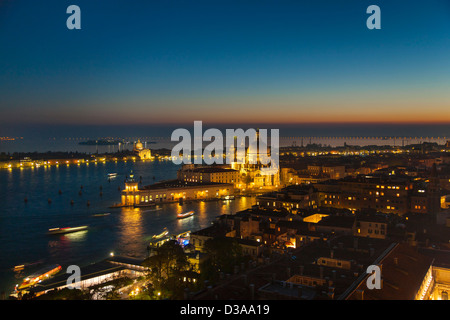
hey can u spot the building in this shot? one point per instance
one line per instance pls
(331, 172)
(436, 283)
(95, 274)
(198, 238)
(251, 169)
(371, 226)
(172, 191)
(292, 198)
(339, 225)
(301, 274)
(385, 194)
(141, 152)
(191, 173)
(405, 273)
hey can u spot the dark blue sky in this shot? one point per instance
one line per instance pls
(137, 62)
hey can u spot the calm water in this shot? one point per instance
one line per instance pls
(67, 138)
(125, 231)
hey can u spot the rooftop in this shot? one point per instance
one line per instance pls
(403, 270)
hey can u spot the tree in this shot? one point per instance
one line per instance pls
(223, 254)
(65, 294)
(166, 266)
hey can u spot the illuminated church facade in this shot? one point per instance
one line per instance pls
(142, 152)
(251, 176)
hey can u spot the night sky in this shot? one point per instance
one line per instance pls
(170, 61)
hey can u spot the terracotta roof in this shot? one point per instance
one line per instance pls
(403, 270)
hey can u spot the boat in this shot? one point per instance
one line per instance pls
(185, 215)
(145, 204)
(21, 267)
(112, 175)
(66, 230)
(161, 235)
(39, 276)
(183, 238)
(101, 214)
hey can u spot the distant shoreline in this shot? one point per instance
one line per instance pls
(38, 159)
(50, 158)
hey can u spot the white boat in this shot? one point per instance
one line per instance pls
(66, 230)
(185, 215)
(161, 235)
(101, 214)
(112, 175)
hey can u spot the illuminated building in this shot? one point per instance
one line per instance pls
(172, 191)
(380, 193)
(371, 226)
(292, 198)
(207, 174)
(407, 274)
(332, 172)
(436, 284)
(250, 170)
(142, 152)
(95, 274)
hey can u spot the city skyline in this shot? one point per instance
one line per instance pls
(224, 150)
(224, 62)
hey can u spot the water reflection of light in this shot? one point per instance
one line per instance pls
(76, 236)
(179, 209)
(201, 208)
(131, 230)
(225, 208)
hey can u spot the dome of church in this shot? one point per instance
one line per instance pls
(138, 146)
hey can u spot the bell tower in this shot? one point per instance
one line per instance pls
(433, 194)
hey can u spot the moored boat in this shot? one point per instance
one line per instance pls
(145, 205)
(39, 276)
(161, 235)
